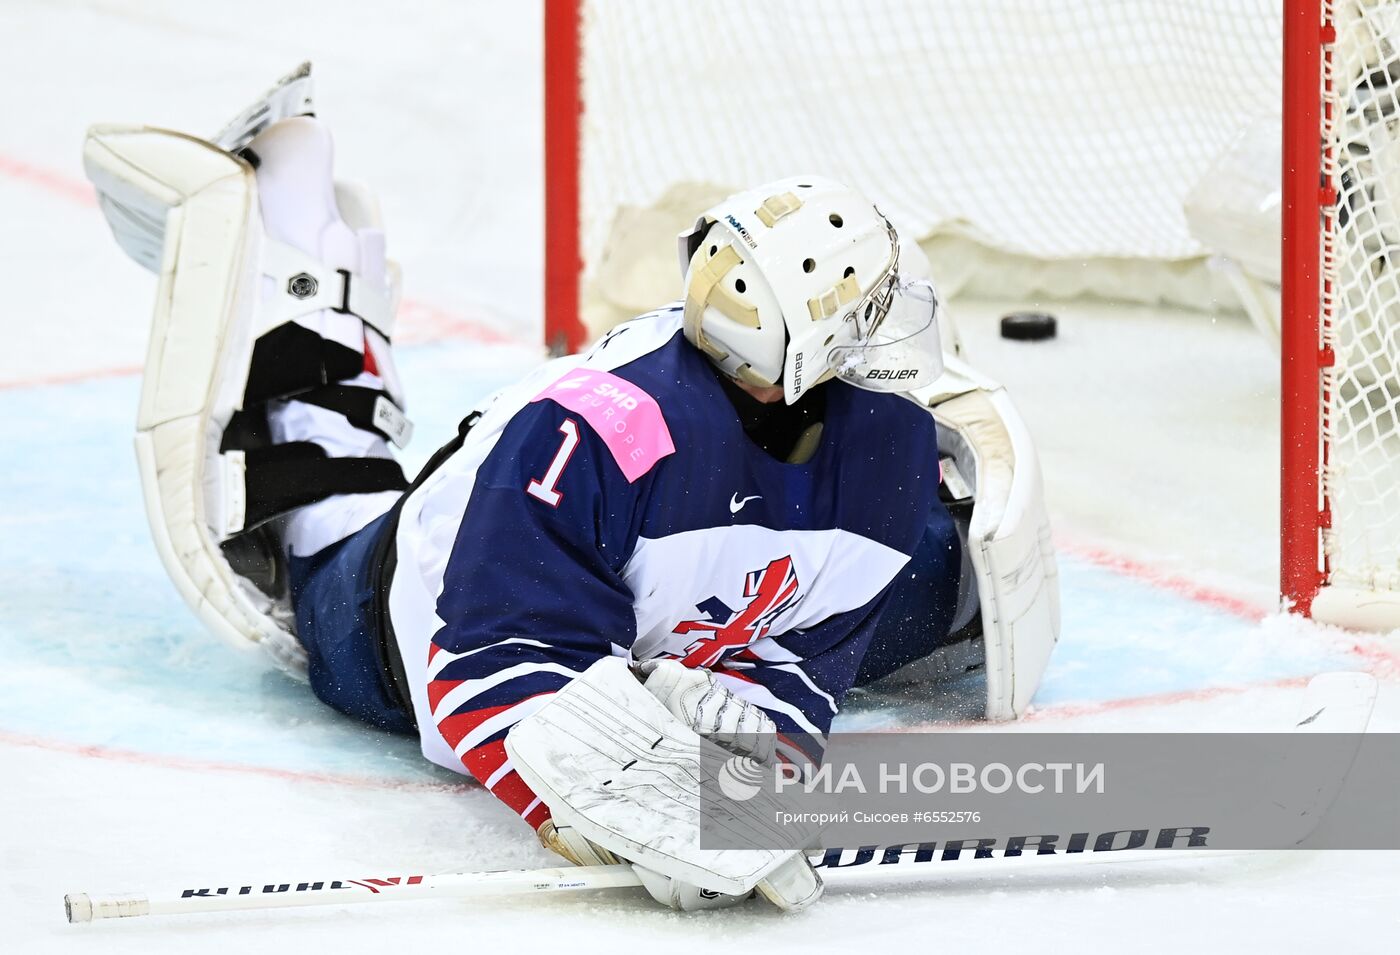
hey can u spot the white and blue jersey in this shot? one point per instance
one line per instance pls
(612, 504)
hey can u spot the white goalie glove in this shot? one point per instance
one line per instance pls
(620, 773)
(696, 698)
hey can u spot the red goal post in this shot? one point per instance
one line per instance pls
(1096, 128)
(1307, 37)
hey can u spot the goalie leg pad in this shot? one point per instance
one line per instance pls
(1008, 538)
(198, 206)
(209, 473)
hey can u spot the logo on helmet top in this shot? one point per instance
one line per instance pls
(744, 233)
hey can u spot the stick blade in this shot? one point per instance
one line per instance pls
(1338, 703)
(1334, 703)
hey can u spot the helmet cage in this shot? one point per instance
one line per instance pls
(871, 310)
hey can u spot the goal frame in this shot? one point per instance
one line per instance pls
(1308, 39)
(1308, 191)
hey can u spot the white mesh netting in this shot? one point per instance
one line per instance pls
(1047, 147)
(1065, 130)
(1362, 479)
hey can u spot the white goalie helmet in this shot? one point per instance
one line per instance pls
(798, 281)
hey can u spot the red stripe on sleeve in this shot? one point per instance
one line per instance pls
(485, 760)
(513, 791)
(538, 816)
(437, 689)
(454, 728)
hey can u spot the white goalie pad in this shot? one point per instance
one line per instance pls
(1009, 537)
(608, 759)
(191, 208)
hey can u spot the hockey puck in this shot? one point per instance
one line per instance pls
(1028, 326)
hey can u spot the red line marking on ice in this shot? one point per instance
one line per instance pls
(422, 322)
(1074, 710)
(54, 183)
(70, 377)
(1064, 711)
(213, 766)
(1382, 659)
(1163, 580)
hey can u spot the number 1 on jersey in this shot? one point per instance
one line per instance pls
(545, 489)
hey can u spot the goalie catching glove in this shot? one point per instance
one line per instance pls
(619, 768)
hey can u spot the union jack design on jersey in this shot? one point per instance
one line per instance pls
(772, 589)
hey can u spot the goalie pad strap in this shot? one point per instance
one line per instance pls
(285, 477)
(292, 358)
(369, 409)
(366, 303)
(306, 286)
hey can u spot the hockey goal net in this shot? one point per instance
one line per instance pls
(1126, 149)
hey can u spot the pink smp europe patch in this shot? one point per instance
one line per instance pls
(627, 418)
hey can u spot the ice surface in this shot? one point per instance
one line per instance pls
(136, 751)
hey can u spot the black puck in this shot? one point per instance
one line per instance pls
(1028, 326)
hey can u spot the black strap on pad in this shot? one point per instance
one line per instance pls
(292, 359)
(356, 403)
(284, 477)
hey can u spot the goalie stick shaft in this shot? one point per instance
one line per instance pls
(468, 886)
(1334, 703)
(81, 907)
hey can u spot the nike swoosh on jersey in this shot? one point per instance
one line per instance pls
(736, 505)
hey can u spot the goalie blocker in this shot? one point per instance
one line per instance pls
(620, 773)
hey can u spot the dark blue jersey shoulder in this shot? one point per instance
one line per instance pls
(875, 471)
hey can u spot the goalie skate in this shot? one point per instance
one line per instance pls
(248, 314)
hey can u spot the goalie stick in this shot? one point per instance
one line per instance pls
(1338, 703)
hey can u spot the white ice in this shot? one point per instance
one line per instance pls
(135, 751)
